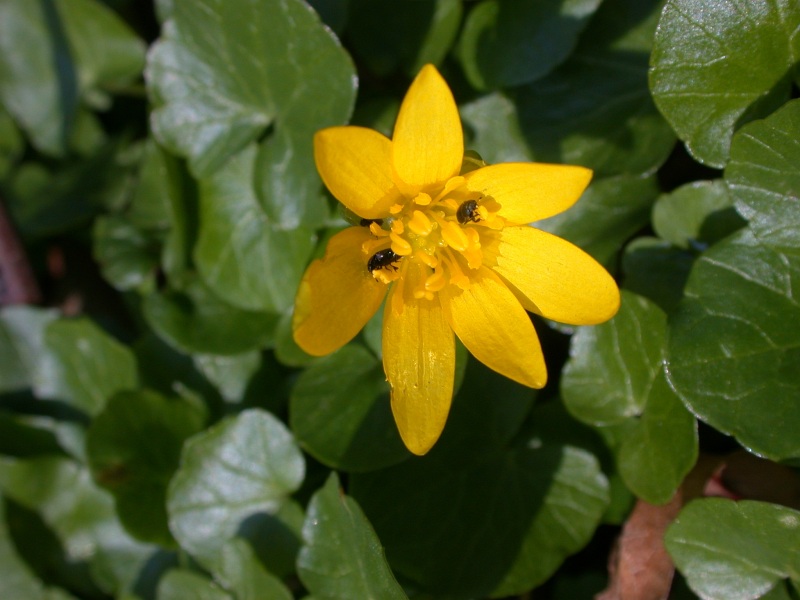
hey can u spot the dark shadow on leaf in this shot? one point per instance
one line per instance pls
(273, 542)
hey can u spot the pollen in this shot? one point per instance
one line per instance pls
(430, 234)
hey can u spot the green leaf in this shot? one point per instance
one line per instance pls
(420, 33)
(242, 255)
(16, 578)
(90, 365)
(133, 448)
(656, 270)
(240, 467)
(535, 504)
(229, 374)
(342, 557)
(615, 381)
(492, 128)
(179, 584)
(596, 110)
(21, 346)
(764, 176)
(718, 65)
(127, 256)
(38, 79)
(220, 77)
(735, 550)
(734, 344)
(696, 215)
(340, 412)
(242, 573)
(11, 143)
(608, 214)
(194, 320)
(54, 53)
(81, 514)
(506, 43)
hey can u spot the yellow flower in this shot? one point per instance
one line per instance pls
(453, 251)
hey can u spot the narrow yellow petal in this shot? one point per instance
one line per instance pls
(355, 164)
(559, 279)
(428, 144)
(529, 192)
(419, 359)
(337, 295)
(494, 327)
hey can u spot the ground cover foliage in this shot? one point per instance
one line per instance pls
(161, 435)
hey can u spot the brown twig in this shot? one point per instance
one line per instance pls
(17, 283)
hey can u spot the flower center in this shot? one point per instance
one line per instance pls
(431, 241)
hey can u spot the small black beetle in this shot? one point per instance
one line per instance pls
(383, 259)
(468, 211)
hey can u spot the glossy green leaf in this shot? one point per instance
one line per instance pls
(534, 504)
(420, 33)
(194, 320)
(230, 374)
(219, 77)
(81, 515)
(615, 380)
(764, 176)
(507, 43)
(241, 572)
(179, 584)
(286, 349)
(735, 550)
(656, 270)
(16, 578)
(717, 65)
(133, 448)
(734, 344)
(492, 128)
(106, 51)
(90, 365)
(342, 557)
(52, 54)
(696, 215)
(275, 538)
(596, 110)
(240, 467)
(127, 256)
(21, 347)
(608, 213)
(340, 412)
(40, 92)
(241, 253)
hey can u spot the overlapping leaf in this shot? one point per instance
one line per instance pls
(342, 557)
(615, 381)
(240, 468)
(735, 550)
(718, 65)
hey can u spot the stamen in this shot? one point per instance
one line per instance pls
(400, 246)
(422, 199)
(420, 224)
(455, 236)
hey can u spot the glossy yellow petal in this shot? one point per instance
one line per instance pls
(419, 359)
(494, 327)
(529, 192)
(559, 279)
(337, 295)
(428, 144)
(355, 164)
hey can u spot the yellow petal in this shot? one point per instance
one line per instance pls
(529, 192)
(337, 295)
(494, 327)
(559, 279)
(419, 359)
(355, 164)
(428, 144)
